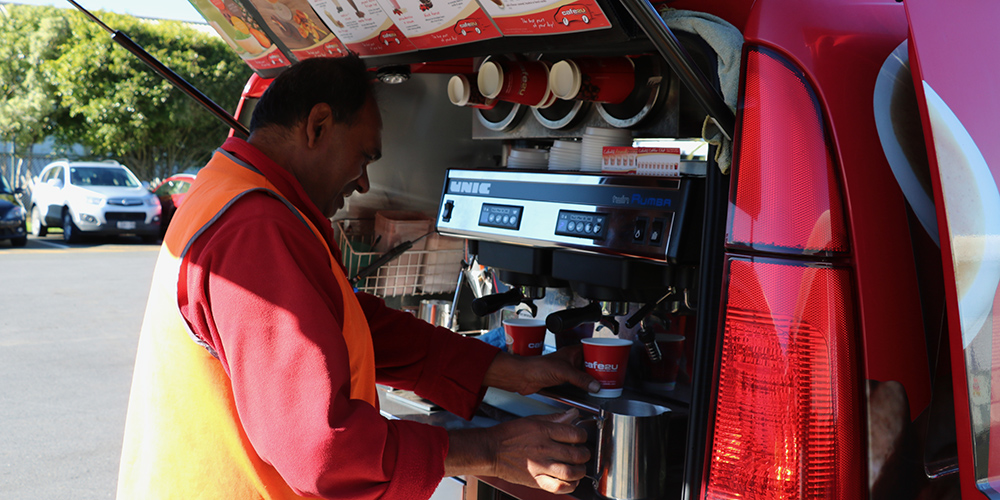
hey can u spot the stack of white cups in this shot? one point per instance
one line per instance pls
(594, 141)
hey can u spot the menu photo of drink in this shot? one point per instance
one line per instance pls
(299, 28)
(363, 26)
(241, 32)
(545, 17)
(431, 24)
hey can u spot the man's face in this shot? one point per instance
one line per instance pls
(350, 150)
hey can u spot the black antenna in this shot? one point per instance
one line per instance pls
(127, 43)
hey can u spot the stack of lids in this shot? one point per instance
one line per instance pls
(528, 158)
(594, 141)
(565, 155)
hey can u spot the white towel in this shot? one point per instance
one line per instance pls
(727, 42)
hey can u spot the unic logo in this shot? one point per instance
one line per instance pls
(469, 187)
(601, 367)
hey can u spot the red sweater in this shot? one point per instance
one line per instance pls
(260, 292)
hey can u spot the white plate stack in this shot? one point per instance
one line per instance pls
(594, 141)
(564, 155)
(528, 158)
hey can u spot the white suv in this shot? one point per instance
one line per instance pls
(93, 198)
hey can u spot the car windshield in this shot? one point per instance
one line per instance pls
(4, 186)
(102, 176)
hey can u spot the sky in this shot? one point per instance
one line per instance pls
(180, 10)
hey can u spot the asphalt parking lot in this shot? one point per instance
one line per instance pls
(69, 322)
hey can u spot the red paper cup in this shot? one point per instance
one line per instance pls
(598, 79)
(525, 337)
(462, 92)
(663, 375)
(606, 359)
(523, 82)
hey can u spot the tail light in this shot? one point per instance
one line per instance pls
(787, 197)
(788, 408)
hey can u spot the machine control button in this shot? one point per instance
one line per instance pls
(449, 206)
(639, 230)
(656, 232)
(501, 216)
(589, 225)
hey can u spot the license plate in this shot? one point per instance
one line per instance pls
(126, 224)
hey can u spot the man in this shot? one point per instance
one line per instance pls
(257, 363)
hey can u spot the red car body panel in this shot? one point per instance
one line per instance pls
(948, 59)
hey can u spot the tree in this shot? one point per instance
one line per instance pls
(28, 106)
(92, 92)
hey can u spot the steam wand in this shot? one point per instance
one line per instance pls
(645, 334)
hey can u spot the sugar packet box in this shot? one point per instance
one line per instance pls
(660, 162)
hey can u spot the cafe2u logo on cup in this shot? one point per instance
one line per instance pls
(531, 345)
(601, 367)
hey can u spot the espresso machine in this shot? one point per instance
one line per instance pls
(628, 244)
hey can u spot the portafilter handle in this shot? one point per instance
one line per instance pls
(567, 319)
(489, 304)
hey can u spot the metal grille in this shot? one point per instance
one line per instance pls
(125, 202)
(416, 272)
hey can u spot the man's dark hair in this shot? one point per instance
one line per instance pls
(343, 83)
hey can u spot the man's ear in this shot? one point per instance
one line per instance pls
(319, 123)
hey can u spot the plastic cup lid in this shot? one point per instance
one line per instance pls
(565, 79)
(490, 79)
(608, 132)
(459, 90)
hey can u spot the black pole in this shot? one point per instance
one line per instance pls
(127, 43)
(670, 48)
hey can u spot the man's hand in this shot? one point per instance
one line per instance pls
(528, 374)
(540, 452)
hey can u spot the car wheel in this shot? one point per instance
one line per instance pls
(586, 20)
(19, 242)
(71, 233)
(565, 21)
(38, 228)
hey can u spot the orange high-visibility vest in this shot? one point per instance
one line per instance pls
(183, 437)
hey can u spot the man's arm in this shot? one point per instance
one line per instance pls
(262, 294)
(540, 452)
(434, 362)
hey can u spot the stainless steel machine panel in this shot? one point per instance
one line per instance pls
(625, 215)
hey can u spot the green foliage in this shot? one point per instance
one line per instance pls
(61, 75)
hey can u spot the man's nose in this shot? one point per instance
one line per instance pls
(363, 183)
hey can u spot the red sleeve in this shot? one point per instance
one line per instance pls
(436, 363)
(261, 293)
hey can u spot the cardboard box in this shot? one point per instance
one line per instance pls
(660, 162)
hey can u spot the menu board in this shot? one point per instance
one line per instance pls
(239, 29)
(363, 26)
(299, 28)
(436, 23)
(545, 17)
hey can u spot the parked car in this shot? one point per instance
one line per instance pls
(171, 194)
(13, 219)
(100, 198)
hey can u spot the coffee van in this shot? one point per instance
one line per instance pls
(830, 257)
